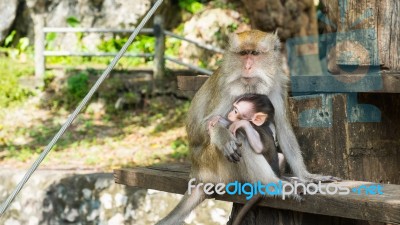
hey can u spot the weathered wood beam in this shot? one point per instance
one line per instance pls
(381, 208)
(384, 83)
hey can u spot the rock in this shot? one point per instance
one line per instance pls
(218, 215)
(87, 193)
(116, 220)
(120, 200)
(106, 201)
(290, 17)
(8, 12)
(71, 215)
(210, 27)
(60, 197)
(12, 221)
(90, 13)
(33, 221)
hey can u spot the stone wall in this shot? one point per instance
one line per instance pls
(8, 12)
(90, 13)
(67, 197)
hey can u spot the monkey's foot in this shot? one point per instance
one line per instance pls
(295, 195)
(232, 152)
(293, 180)
(316, 178)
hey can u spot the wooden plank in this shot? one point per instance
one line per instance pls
(191, 83)
(380, 208)
(352, 136)
(357, 33)
(368, 29)
(384, 83)
(388, 23)
(171, 178)
(319, 124)
(374, 148)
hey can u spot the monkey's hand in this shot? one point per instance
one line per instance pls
(238, 124)
(226, 142)
(212, 122)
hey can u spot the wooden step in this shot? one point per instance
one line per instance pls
(382, 83)
(381, 208)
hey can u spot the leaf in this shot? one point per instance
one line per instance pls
(196, 7)
(9, 38)
(23, 44)
(191, 6)
(51, 36)
(73, 21)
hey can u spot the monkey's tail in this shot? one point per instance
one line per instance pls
(246, 208)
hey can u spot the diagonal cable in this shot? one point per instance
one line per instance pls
(83, 103)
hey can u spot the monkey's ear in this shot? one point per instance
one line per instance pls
(259, 118)
(277, 42)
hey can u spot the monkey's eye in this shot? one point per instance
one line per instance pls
(244, 52)
(249, 52)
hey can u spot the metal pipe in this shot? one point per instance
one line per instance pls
(201, 45)
(93, 30)
(202, 70)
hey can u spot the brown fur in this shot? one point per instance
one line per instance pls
(216, 97)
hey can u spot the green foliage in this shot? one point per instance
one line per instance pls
(233, 27)
(223, 4)
(142, 44)
(191, 6)
(131, 97)
(72, 21)
(168, 119)
(50, 38)
(181, 148)
(77, 88)
(11, 92)
(21, 47)
(48, 78)
(23, 44)
(172, 46)
(9, 38)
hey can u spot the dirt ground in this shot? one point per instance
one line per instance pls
(97, 139)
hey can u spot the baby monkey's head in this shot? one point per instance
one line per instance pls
(255, 108)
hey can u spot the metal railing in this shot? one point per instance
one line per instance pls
(157, 31)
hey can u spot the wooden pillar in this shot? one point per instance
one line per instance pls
(159, 63)
(39, 47)
(272, 216)
(366, 34)
(352, 136)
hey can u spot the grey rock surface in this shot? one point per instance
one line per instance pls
(8, 12)
(117, 14)
(73, 197)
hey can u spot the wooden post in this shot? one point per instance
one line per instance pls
(39, 47)
(367, 34)
(159, 63)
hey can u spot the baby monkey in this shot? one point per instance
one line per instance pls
(253, 114)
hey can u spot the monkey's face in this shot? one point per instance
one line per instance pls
(253, 58)
(242, 110)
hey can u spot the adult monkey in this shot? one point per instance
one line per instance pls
(251, 65)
